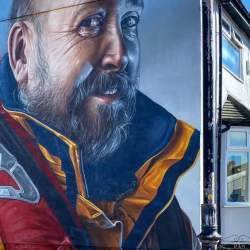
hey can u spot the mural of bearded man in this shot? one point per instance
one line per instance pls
(87, 160)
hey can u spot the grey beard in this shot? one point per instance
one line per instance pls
(98, 136)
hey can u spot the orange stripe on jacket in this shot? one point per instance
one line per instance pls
(150, 177)
(1, 245)
(151, 174)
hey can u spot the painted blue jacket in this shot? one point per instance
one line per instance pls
(126, 201)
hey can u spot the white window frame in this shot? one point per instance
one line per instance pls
(224, 30)
(232, 39)
(236, 149)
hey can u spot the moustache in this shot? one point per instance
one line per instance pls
(117, 84)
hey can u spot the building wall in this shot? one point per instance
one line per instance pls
(233, 217)
(171, 75)
(238, 88)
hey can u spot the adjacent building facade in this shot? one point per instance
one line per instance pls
(231, 48)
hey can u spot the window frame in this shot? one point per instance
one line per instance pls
(236, 43)
(225, 30)
(230, 149)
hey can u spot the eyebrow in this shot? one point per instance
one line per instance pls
(137, 3)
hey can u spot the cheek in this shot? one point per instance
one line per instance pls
(67, 62)
(133, 53)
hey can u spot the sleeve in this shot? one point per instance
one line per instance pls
(175, 230)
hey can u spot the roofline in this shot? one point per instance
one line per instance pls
(232, 121)
(239, 13)
(238, 103)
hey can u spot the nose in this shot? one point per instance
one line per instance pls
(115, 58)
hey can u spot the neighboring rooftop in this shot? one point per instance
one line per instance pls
(237, 9)
(234, 113)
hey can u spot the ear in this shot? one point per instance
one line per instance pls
(18, 45)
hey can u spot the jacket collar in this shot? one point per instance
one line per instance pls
(150, 131)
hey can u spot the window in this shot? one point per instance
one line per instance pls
(237, 166)
(231, 57)
(238, 139)
(231, 50)
(226, 27)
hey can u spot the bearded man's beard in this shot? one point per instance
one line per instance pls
(99, 130)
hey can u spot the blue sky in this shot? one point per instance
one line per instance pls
(247, 4)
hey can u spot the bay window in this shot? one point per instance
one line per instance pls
(237, 166)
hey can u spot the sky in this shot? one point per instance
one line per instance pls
(247, 4)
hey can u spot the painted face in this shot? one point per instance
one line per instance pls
(83, 74)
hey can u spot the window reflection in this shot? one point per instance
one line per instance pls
(231, 57)
(237, 177)
(238, 139)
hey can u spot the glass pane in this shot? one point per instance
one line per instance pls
(237, 177)
(238, 37)
(226, 26)
(230, 56)
(238, 139)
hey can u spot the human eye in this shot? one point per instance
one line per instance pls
(129, 24)
(91, 26)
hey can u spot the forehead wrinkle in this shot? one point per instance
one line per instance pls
(50, 6)
(70, 8)
(137, 3)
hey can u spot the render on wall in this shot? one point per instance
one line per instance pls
(99, 120)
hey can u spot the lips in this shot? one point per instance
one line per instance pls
(107, 96)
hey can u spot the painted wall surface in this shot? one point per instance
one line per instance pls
(97, 162)
(233, 216)
(172, 76)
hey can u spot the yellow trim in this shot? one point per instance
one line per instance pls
(86, 209)
(56, 165)
(169, 202)
(23, 123)
(2, 247)
(83, 212)
(51, 158)
(131, 207)
(73, 149)
(151, 178)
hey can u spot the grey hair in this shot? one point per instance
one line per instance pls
(23, 10)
